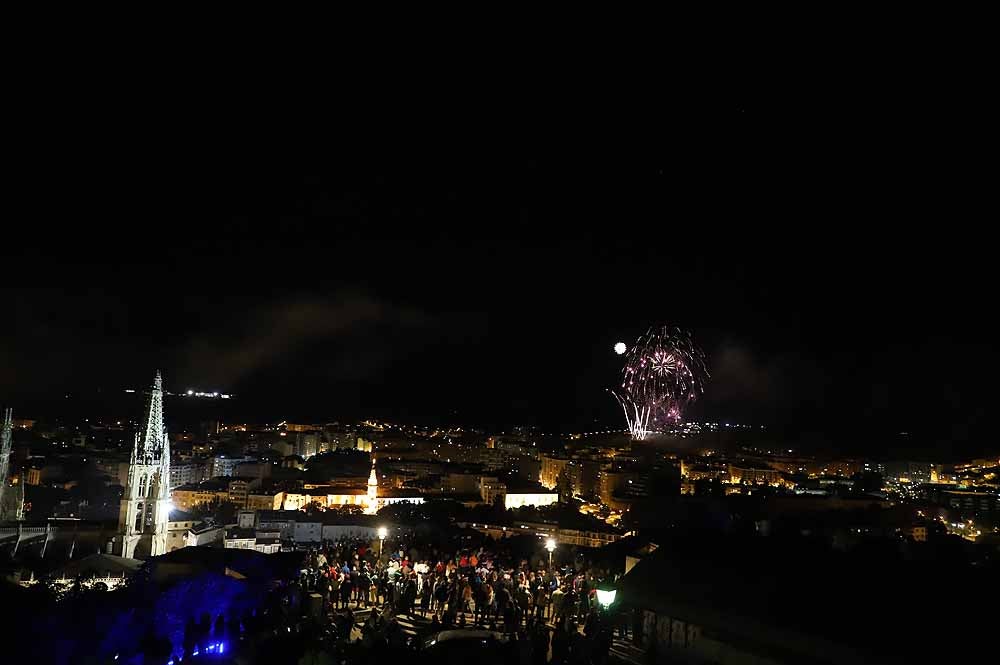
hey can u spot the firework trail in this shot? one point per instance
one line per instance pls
(664, 372)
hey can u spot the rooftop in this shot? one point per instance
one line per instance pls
(739, 586)
(99, 565)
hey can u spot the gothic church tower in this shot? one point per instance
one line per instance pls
(145, 506)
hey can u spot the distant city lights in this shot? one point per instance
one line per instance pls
(209, 395)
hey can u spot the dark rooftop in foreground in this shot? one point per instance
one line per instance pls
(800, 600)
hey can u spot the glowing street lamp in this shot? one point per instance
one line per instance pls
(382, 533)
(606, 596)
(550, 545)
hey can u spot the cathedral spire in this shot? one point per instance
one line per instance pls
(145, 506)
(5, 438)
(151, 439)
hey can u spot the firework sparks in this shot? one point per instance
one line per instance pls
(664, 372)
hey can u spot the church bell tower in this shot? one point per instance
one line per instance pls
(145, 506)
(372, 497)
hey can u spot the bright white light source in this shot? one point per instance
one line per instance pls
(605, 598)
(620, 348)
(550, 544)
(383, 532)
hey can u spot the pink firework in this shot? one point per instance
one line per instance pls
(664, 371)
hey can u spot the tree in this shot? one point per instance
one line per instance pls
(315, 507)
(564, 485)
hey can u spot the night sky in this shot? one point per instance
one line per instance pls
(830, 267)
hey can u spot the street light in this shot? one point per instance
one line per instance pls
(606, 596)
(382, 533)
(550, 545)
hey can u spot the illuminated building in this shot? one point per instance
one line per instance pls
(615, 481)
(530, 496)
(142, 521)
(238, 491)
(370, 498)
(347, 497)
(552, 466)
(307, 531)
(300, 499)
(306, 444)
(265, 500)
(968, 502)
(34, 476)
(186, 474)
(222, 465)
(203, 534)
(178, 525)
(490, 488)
(908, 472)
(188, 497)
(754, 475)
(240, 539)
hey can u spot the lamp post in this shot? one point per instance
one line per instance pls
(606, 593)
(550, 545)
(382, 533)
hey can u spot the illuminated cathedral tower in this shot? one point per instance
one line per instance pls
(5, 437)
(145, 506)
(372, 507)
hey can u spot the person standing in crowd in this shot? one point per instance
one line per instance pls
(523, 600)
(488, 603)
(426, 596)
(335, 587)
(440, 595)
(541, 602)
(466, 597)
(345, 587)
(409, 594)
(557, 601)
(569, 603)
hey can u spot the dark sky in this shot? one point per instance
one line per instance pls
(829, 263)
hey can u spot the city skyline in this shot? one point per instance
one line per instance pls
(715, 388)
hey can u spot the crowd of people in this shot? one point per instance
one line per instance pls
(478, 585)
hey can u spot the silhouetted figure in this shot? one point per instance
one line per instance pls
(190, 637)
(560, 646)
(539, 645)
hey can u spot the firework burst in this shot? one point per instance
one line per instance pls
(664, 372)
